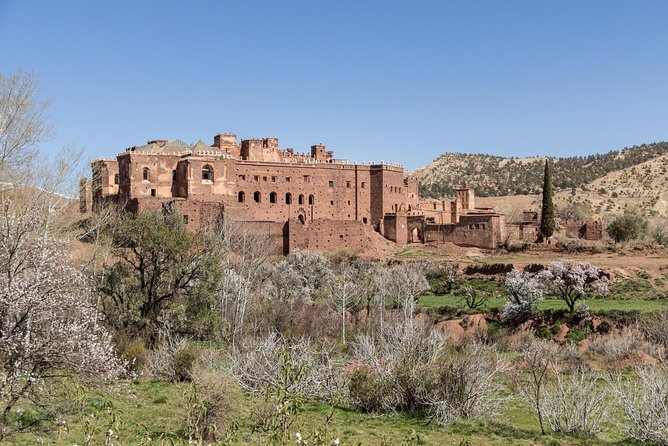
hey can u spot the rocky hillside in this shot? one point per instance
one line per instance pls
(494, 176)
(642, 188)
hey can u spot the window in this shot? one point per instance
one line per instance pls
(363, 185)
(257, 196)
(330, 183)
(242, 177)
(332, 202)
(256, 177)
(242, 197)
(364, 220)
(273, 179)
(147, 174)
(348, 184)
(307, 178)
(272, 197)
(153, 192)
(287, 179)
(264, 178)
(311, 200)
(116, 178)
(301, 199)
(207, 173)
(288, 198)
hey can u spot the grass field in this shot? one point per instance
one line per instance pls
(150, 413)
(596, 305)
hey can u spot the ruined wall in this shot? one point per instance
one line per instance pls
(104, 183)
(328, 235)
(527, 231)
(482, 231)
(585, 229)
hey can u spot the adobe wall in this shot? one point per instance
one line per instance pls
(522, 231)
(482, 231)
(328, 235)
(585, 229)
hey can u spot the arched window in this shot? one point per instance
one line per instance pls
(242, 197)
(207, 173)
(311, 200)
(301, 199)
(257, 196)
(288, 198)
(302, 219)
(272, 197)
(147, 174)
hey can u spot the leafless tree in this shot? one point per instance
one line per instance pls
(644, 401)
(408, 283)
(533, 374)
(575, 403)
(298, 365)
(345, 293)
(23, 123)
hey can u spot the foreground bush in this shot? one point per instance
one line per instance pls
(644, 402)
(415, 370)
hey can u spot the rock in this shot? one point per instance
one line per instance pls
(561, 335)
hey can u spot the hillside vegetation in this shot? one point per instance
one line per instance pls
(493, 176)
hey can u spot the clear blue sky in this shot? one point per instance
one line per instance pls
(397, 81)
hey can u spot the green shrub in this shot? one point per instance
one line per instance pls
(183, 361)
(365, 390)
(627, 227)
(135, 353)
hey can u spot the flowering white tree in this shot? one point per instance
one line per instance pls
(525, 290)
(49, 324)
(572, 281)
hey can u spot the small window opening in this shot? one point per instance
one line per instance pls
(257, 196)
(207, 173)
(311, 200)
(301, 199)
(153, 192)
(288, 198)
(330, 183)
(116, 178)
(147, 174)
(348, 184)
(272, 197)
(287, 179)
(363, 185)
(242, 197)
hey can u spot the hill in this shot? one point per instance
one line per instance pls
(643, 188)
(494, 176)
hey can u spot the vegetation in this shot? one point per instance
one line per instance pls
(546, 228)
(627, 227)
(496, 176)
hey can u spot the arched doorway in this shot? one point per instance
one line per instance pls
(416, 235)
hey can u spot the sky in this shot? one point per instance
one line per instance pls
(374, 80)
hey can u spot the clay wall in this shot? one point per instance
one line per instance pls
(328, 235)
(147, 175)
(104, 183)
(586, 229)
(522, 231)
(483, 231)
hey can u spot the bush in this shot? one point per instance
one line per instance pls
(365, 390)
(210, 402)
(171, 360)
(135, 353)
(627, 227)
(644, 402)
(183, 361)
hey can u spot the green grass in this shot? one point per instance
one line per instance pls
(596, 305)
(150, 413)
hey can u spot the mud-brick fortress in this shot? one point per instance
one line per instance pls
(302, 200)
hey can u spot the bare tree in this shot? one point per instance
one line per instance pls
(345, 293)
(23, 124)
(408, 283)
(531, 380)
(575, 403)
(644, 401)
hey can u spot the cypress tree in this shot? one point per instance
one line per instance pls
(547, 214)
